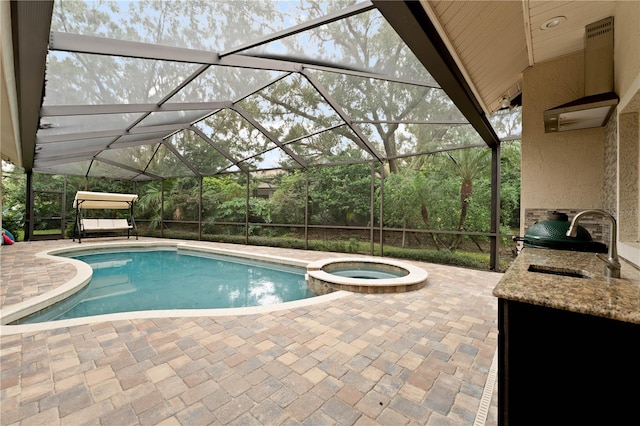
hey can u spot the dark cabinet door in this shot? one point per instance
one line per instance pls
(563, 368)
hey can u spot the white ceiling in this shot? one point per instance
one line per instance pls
(494, 42)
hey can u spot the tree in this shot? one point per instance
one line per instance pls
(340, 195)
(404, 200)
(459, 173)
(217, 190)
(510, 185)
(289, 200)
(13, 198)
(149, 205)
(469, 165)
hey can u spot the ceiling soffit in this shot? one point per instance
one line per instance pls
(568, 37)
(488, 43)
(494, 42)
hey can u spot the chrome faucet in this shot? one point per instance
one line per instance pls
(612, 264)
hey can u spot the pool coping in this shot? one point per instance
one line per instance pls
(84, 273)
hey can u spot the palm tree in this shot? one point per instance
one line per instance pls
(469, 164)
(149, 204)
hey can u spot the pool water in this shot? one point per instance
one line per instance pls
(370, 273)
(169, 279)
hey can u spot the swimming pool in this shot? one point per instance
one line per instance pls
(165, 279)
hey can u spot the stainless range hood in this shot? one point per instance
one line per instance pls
(599, 102)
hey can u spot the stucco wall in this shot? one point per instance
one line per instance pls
(627, 85)
(627, 45)
(564, 170)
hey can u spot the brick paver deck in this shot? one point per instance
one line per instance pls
(419, 358)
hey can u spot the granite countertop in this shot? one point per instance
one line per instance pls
(616, 298)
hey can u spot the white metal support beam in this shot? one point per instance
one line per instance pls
(112, 133)
(65, 110)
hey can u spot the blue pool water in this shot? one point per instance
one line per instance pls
(369, 272)
(168, 279)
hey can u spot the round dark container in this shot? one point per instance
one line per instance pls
(552, 234)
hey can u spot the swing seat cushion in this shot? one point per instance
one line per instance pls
(97, 225)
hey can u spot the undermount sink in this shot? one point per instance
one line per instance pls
(565, 272)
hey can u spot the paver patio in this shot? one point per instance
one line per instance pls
(420, 358)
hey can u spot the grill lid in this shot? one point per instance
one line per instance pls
(554, 230)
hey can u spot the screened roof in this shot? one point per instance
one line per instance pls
(146, 89)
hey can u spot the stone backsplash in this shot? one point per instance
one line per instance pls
(610, 166)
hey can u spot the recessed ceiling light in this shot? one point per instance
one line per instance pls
(553, 22)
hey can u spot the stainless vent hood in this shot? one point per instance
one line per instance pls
(595, 108)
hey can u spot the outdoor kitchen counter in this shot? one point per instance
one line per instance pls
(561, 336)
(595, 295)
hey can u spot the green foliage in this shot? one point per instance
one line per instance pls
(13, 199)
(444, 257)
(149, 204)
(221, 189)
(235, 209)
(217, 191)
(288, 202)
(510, 185)
(340, 195)
(404, 195)
(423, 192)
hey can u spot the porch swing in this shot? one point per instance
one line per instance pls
(86, 200)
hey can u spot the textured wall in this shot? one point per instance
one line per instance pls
(628, 215)
(564, 170)
(627, 45)
(610, 178)
(627, 86)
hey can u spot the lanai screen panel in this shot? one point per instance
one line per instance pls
(290, 108)
(337, 146)
(196, 151)
(405, 139)
(136, 157)
(367, 98)
(88, 79)
(70, 147)
(104, 170)
(156, 89)
(166, 163)
(224, 83)
(73, 168)
(85, 123)
(173, 117)
(239, 138)
(136, 139)
(364, 42)
(204, 25)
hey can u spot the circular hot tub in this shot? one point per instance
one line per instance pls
(363, 275)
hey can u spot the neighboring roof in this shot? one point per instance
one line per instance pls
(150, 90)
